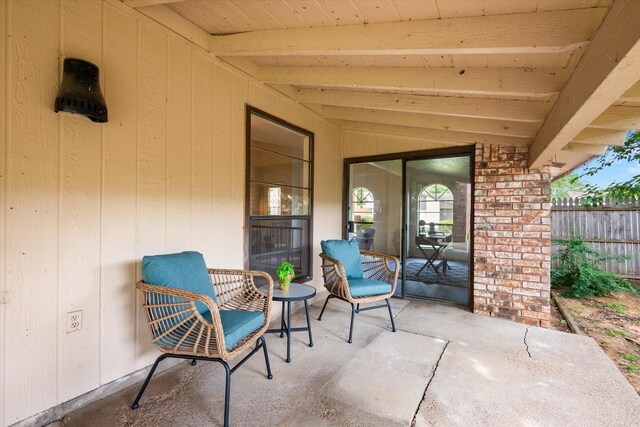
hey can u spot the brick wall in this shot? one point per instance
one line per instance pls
(512, 236)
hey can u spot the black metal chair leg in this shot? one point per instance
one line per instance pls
(227, 392)
(289, 332)
(323, 307)
(393, 325)
(282, 321)
(306, 311)
(193, 362)
(160, 358)
(353, 315)
(266, 358)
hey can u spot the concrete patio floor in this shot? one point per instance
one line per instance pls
(444, 366)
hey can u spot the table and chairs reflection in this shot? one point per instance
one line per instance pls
(431, 247)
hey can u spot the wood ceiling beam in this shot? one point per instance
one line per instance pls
(178, 24)
(596, 150)
(606, 71)
(600, 137)
(536, 83)
(144, 3)
(462, 124)
(632, 93)
(498, 109)
(444, 136)
(553, 31)
(618, 117)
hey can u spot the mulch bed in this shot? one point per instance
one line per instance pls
(614, 322)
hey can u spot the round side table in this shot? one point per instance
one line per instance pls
(296, 292)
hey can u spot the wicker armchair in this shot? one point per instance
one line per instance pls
(378, 283)
(190, 325)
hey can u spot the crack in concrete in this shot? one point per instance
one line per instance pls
(433, 374)
(401, 310)
(525, 340)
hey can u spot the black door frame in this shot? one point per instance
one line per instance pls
(405, 157)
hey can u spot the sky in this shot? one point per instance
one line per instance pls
(619, 171)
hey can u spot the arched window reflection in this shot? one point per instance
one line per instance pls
(435, 208)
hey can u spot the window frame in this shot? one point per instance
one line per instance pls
(253, 111)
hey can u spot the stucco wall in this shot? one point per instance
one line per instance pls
(81, 202)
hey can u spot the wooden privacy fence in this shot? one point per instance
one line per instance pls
(612, 227)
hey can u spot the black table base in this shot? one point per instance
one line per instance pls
(297, 292)
(286, 329)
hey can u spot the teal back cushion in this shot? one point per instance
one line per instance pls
(347, 252)
(186, 270)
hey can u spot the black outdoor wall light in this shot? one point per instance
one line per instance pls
(79, 91)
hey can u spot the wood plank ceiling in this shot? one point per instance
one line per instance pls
(559, 76)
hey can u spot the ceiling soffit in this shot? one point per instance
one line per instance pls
(450, 72)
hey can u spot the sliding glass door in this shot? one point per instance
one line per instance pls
(418, 209)
(438, 216)
(374, 206)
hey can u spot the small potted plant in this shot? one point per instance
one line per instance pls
(285, 273)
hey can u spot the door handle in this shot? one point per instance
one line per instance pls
(350, 226)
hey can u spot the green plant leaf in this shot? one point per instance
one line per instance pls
(578, 270)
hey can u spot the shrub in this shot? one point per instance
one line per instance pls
(579, 271)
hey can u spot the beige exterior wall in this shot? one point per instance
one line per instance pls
(81, 203)
(357, 144)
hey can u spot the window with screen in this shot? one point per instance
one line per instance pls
(279, 194)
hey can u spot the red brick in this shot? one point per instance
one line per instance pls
(512, 232)
(535, 315)
(498, 220)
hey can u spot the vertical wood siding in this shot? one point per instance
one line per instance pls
(33, 214)
(358, 144)
(4, 132)
(81, 203)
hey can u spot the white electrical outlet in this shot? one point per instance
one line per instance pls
(74, 321)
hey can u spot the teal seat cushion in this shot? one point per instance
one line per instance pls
(367, 287)
(185, 270)
(238, 324)
(348, 253)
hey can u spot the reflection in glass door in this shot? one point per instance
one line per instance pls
(428, 198)
(438, 218)
(374, 206)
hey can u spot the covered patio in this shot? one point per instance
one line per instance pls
(520, 91)
(444, 366)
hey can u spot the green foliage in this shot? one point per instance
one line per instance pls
(629, 152)
(632, 368)
(629, 357)
(285, 272)
(579, 271)
(561, 187)
(618, 308)
(615, 333)
(446, 229)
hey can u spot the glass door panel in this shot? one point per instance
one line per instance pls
(438, 224)
(374, 206)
